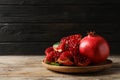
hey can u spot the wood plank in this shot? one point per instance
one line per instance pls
(30, 67)
(59, 78)
(24, 48)
(11, 32)
(31, 2)
(32, 38)
(56, 13)
(38, 48)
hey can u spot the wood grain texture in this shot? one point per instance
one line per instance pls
(55, 31)
(30, 67)
(57, 78)
(24, 48)
(60, 13)
(30, 26)
(39, 2)
(38, 48)
(33, 38)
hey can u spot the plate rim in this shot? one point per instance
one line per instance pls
(78, 69)
(91, 66)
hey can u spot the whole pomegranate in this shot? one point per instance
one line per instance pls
(95, 48)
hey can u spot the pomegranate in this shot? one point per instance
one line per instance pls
(81, 60)
(51, 55)
(94, 47)
(66, 58)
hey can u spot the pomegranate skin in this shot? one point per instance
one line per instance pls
(94, 47)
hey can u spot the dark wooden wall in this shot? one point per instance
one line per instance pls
(30, 26)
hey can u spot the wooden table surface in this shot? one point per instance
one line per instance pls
(30, 68)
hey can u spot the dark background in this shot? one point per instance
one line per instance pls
(27, 27)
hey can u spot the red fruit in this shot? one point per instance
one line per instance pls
(94, 47)
(72, 40)
(57, 55)
(65, 58)
(71, 43)
(59, 47)
(62, 46)
(81, 60)
(51, 55)
(48, 50)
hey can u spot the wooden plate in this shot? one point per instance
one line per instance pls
(76, 69)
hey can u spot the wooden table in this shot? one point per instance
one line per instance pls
(30, 68)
